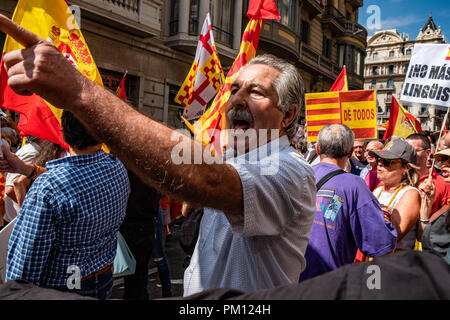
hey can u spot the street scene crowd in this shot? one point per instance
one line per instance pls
(326, 205)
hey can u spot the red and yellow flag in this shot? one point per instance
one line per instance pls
(356, 109)
(321, 109)
(401, 122)
(53, 21)
(120, 92)
(341, 83)
(207, 128)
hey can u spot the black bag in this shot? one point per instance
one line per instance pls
(190, 229)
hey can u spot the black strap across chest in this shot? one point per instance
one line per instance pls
(328, 177)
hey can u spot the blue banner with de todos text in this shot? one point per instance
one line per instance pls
(428, 78)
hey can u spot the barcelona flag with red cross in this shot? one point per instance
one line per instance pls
(204, 78)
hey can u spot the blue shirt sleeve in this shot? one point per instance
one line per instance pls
(373, 235)
(32, 237)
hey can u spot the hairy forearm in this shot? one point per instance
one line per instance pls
(145, 146)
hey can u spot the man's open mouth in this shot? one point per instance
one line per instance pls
(241, 124)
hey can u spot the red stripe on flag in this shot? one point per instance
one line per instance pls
(322, 122)
(356, 96)
(313, 133)
(364, 133)
(323, 111)
(322, 101)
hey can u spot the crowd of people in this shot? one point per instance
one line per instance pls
(260, 229)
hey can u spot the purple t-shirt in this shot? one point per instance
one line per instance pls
(347, 217)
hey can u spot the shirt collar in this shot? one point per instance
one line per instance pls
(81, 160)
(283, 143)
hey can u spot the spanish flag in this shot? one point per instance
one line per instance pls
(53, 21)
(120, 92)
(341, 83)
(401, 122)
(207, 129)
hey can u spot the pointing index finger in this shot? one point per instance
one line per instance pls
(20, 34)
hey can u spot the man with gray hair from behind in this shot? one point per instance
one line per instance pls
(348, 215)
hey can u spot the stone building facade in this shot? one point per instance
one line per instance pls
(155, 42)
(387, 61)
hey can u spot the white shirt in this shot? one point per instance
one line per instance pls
(27, 153)
(267, 249)
(408, 241)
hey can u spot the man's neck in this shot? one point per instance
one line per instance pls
(337, 162)
(77, 152)
(424, 171)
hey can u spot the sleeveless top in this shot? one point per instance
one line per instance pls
(409, 240)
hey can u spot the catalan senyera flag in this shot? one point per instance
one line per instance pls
(448, 55)
(321, 109)
(207, 129)
(341, 82)
(53, 21)
(120, 92)
(356, 109)
(401, 122)
(204, 78)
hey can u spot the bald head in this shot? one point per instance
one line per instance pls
(373, 145)
(335, 141)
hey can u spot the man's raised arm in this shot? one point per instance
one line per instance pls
(143, 144)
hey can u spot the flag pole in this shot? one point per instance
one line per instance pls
(439, 141)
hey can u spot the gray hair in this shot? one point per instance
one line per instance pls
(335, 141)
(288, 85)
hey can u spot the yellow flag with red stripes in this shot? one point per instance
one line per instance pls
(53, 21)
(321, 109)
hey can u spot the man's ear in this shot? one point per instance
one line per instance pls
(317, 149)
(289, 116)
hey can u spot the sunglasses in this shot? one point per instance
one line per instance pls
(387, 162)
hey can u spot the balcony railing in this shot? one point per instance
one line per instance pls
(356, 30)
(333, 18)
(137, 17)
(128, 8)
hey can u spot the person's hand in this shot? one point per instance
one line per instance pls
(9, 162)
(40, 68)
(428, 190)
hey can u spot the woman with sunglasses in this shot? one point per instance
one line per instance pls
(398, 196)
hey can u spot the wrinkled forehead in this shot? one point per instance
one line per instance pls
(257, 73)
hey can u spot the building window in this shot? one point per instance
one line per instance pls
(111, 80)
(374, 70)
(375, 55)
(373, 84)
(391, 53)
(286, 10)
(405, 68)
(408, 52)
(389, 97)
(305, 31)
(341, 55)
(174, 17)
(391, 69)
(390, 83)
(222, 20)
(357, 61)
(193, 17)
(327, 47)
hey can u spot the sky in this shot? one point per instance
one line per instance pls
(407, 16)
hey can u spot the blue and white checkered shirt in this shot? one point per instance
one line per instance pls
(70, 217)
